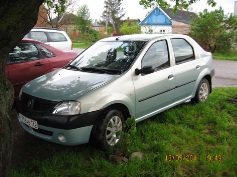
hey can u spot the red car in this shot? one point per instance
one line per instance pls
(31, 59)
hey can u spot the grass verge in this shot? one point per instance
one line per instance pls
(225, 55)
(82, 45)
(188, 140)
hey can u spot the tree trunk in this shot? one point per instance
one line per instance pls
(17, 17)
(6, 99)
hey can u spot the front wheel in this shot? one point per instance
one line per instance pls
(203, 91)
(107, 129)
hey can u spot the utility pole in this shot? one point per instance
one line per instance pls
(107, 19)
(235, 9)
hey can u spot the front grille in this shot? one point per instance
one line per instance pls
(45, 132)
(37, 104)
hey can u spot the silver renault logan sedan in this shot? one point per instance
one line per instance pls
(116, 78)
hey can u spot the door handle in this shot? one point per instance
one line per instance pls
(39, 64)
(198, 67)
(171, 76)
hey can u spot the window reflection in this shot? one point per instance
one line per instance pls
(157, 56)
(110, 55)
(183, 51)
(24, 52)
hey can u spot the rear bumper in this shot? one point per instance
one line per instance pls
(212, 72)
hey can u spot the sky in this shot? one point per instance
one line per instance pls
(135, 11)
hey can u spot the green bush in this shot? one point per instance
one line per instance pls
(94, 35)
(89, 36)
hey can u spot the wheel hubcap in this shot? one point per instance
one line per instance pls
(114, 125)
(203, 92)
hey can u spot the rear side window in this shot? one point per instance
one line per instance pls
(23, 52)
(38, 35)
(57, 37)
(183, 51)
(45, 52)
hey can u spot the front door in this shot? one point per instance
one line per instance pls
(25, 65)
(154, 91)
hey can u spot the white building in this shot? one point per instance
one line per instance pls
(164, 21)
(235, 9)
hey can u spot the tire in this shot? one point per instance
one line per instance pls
(202, 92)
(107, 129)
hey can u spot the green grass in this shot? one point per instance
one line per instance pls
(82, 45)
(225, 55)
(207, 129)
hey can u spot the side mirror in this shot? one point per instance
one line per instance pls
(144, 70)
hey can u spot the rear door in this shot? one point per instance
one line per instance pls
(25, 63)
(57, 59)
(187, 68)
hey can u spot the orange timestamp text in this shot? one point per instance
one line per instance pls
(192, 157)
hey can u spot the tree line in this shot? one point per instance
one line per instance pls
(213, 30)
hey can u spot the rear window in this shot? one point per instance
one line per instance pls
(45, 52)
(57, 37)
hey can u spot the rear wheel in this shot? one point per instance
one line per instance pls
(107, 129)
(203, 91)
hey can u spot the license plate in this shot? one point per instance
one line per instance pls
(27, 121)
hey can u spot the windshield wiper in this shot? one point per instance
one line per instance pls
(102, 70)
(111, 71)
(74, 67)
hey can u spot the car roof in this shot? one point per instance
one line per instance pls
(31, 40)
(141, 37)
(53, 49)
(47, 29)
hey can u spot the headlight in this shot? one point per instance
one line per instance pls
(68, 108)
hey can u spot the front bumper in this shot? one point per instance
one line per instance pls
(67, 130)
(60, 136)
(59, 121)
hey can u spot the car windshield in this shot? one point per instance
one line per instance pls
(107, 57)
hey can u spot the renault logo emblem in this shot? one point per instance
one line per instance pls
(30, 104)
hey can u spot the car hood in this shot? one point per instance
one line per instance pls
(65, 84)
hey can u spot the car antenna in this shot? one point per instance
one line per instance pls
(117, 38)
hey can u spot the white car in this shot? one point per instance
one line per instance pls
(53, 37)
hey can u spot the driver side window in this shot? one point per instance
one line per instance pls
(23, 52)
(157, 56)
